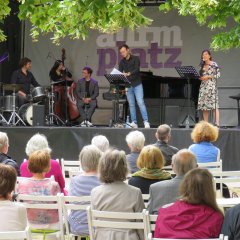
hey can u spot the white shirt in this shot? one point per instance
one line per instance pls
(13, 216)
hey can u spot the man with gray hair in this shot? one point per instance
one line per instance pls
(166, 192)
(135, 141)
(163, 136)
(4, 158)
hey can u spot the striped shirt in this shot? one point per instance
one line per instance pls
(81, 186)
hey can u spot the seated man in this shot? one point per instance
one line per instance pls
(4, 158)
(25, 77)
(87, 91)
(165, 192)
(163, 136)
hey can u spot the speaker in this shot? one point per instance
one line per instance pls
(172, 115)
(38, 115)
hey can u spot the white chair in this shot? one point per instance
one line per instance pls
(212, 166)
(230, 178)
(116, 220)
(150, 221)
(151, 238)
(44, 202)
(69, 165)
(16, 235)
(70, 203)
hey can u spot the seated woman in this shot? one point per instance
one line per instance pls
(135, 141)
(39, 165)
(150, 162)
(101, 142)
(196, 215)
(39, 142)
(203, 135)
(82, 185)
(13, 214)
(116, 196)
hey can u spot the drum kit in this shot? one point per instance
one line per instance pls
(23, 116)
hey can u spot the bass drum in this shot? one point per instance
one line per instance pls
(26, 113)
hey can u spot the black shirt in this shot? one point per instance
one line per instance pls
(63, 74)
(167, 150)
(5, 159)
(131, 65)
(87, 89)
(18, 77)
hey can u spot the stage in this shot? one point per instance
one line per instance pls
(67, 142)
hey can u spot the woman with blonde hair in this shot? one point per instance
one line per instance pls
(196, 214)
(203, 135)
(151, 163)
(39, 165)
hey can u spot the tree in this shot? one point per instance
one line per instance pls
(215, 14)
(4, 12)
(74, 18)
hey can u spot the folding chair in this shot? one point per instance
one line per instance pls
(114, 220)
(212, 166)
(47, 203)
(220, 238)
(16, 235)
(72, 203)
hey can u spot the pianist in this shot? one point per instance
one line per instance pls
(130, 66)
(25, 77)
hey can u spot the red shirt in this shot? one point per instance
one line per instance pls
(184, 220)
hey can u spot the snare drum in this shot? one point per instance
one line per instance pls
(38, 94)
(9, 103)
(26, 113)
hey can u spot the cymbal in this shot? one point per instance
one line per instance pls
(12, 87)
(57, 82)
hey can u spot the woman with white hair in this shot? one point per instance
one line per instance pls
(101, 142)
(39, 142)
(135, 141)
(82, 185)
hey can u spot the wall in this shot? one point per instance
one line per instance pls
(170, 41)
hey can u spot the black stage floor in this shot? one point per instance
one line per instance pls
(67, 142)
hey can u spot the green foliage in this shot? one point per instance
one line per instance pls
(215, 14)
(74, 18)
(4, 11)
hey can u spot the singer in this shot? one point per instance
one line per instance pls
(208, 93)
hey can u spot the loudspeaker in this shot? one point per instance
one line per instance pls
(172, 115)
(38, 115)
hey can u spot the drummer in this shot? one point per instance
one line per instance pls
(25, 77)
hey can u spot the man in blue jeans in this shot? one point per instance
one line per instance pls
(130, 67)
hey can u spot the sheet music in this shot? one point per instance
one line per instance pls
(115, 71)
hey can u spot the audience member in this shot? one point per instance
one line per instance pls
(101, 142)
(39, 142)
(165, 192)
(163, 136)
(150, 162)
(116, 196)
(231, 223)
(196, 215)
(203, 135)
(82, 185)
(13, 214)
(135, 141)
(4, 158)
(39, 165)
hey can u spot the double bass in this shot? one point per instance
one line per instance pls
(71, 102)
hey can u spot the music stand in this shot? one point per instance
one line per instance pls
(188, 72)
(118, 80)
